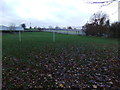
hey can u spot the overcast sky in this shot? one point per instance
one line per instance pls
(45, 13)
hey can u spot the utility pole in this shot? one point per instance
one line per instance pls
(119, 11)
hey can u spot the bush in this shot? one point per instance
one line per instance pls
(115, 30)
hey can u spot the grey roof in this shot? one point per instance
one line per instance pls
(2, 27)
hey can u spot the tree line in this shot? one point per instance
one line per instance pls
(39, 28)
(99, 25)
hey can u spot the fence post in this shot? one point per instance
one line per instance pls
(19, 36)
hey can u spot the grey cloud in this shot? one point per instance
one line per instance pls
(7, 14)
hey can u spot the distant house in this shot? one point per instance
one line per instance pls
(2, 27)
(19, 28)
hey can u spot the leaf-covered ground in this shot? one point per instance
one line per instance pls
(91, 65)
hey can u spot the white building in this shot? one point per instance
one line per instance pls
(2, 27)
(19, 28)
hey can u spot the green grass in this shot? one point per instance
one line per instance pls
(37, 41)
(38, 54)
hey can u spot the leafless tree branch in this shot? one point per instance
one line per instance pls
(103, 2)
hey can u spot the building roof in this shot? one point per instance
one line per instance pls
(2, 27)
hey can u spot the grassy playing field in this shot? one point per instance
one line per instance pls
(70, 61)
(36, 41)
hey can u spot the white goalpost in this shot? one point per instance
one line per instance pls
(53, 36)
(20, 36)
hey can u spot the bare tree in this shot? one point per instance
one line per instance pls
(50, 27)
(99, 18)
(12, 27)
(57, 27)
(98, 26)
(103, 3)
